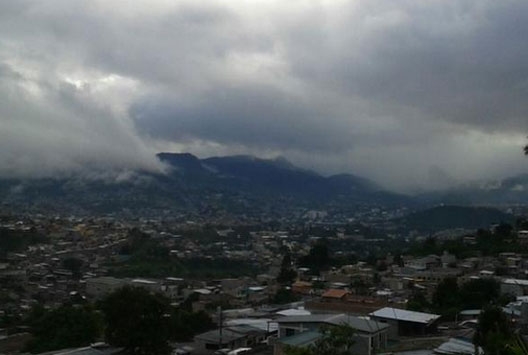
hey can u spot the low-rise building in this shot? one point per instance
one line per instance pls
(371, 336)
(406, 323)
(98, 287)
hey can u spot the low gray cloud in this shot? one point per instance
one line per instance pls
(412, 94)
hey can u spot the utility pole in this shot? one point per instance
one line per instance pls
(220, 325)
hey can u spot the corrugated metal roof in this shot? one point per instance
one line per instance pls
(228, 334)
(301, 339)
(265, 324)
(457, 346)
(360, 324)
(294, 312)
(213, 336)
(405, 315)
(515, 282)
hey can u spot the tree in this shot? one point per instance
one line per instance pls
(478, 293)
(318, 259)
(494, 333)
(446, 299)
(335, 340)
(64, 327)
(136, 320)
(184, 325)
(417, 302)
(503, 230)
(284, 296)
(398, 260)
(286, 275)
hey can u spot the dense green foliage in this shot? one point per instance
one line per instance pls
(284, 296)
(487, 243)
(143, 323)
(450, 298)
(287, 274)
(418, 302)
(318, 258)
(494, 333)
(136, 321)
(197, 267)
(185, 324)
(18, 241)
(64, 327)
(446, 300)
(149, 258)
(336, 340)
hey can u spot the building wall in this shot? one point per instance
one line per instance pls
(512, 289)
(100, 286)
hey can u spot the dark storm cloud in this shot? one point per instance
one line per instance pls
(410, 93)
(261, 117)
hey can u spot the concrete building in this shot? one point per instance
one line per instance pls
(98, 287)
(514, 287)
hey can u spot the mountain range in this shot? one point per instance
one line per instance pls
(236, 185)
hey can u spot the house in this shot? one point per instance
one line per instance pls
(149, 285)
(522, 237)
(302, 287)
(301, 340)
(515, 287)
(334, 295)
(406, 323)
(231, 337)
(351, 304)
(425, 263)
(468, 314)
(98, 287)
(447, 259)
(371, 336)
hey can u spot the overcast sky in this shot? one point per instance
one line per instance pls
(413, 94)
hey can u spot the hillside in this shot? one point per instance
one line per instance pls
(219, 185)
(511, 190)
(448, 217)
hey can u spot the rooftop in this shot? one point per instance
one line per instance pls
(360, 324)
(301, 339)
(405, 315)
(335, 293)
